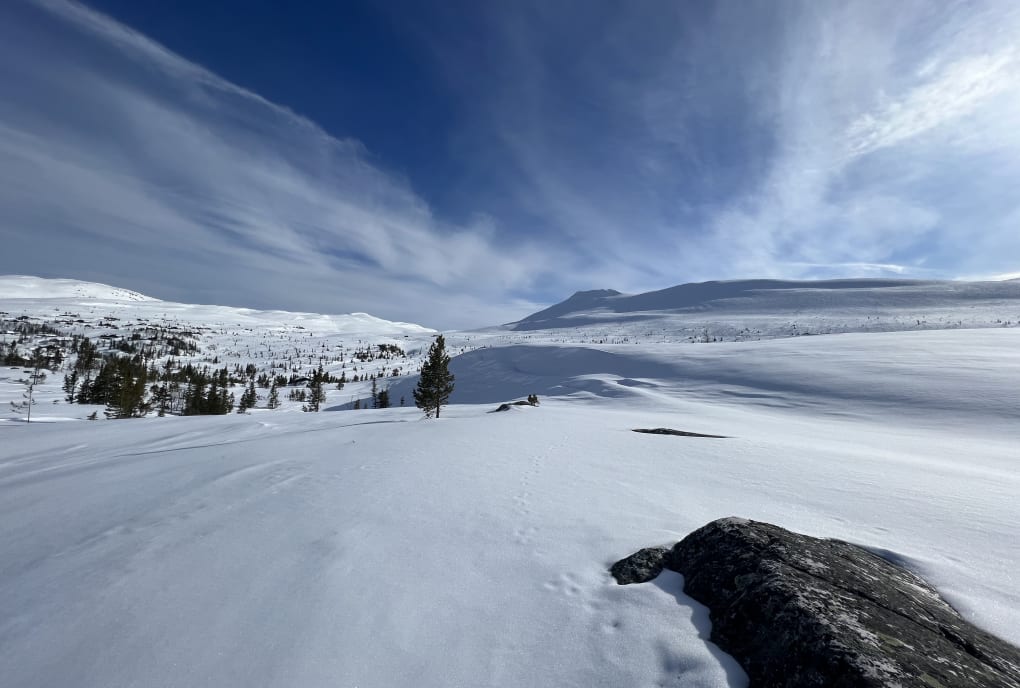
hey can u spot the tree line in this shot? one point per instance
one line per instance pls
(123, 377)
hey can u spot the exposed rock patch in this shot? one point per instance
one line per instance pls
(532, 400)
(509, 405)
(671, 431)
(800, 611)
(640, 567)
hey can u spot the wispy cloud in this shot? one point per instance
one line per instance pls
(144, 167)
(759, 138)
(959, 89)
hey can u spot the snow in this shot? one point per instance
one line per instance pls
(375, 548)
(29, 287)
(35, 296)
(343, 550)
(908, 374)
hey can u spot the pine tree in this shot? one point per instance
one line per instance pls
(436, 381)
(126, 391)
(317, 393)
(70, 382)
(382, 399)
(274, 396)
(249, 398)
(160, 398)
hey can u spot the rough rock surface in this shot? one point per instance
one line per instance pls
(640, 567)
(795, 610)
(679, 433)
(510, 405)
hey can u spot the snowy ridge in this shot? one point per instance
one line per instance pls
(36, 296)
(826, 305)
(28, 287)
(581, 301)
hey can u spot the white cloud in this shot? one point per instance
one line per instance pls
(958, 90)
(759, 140)
(919, 178)
(170, 178)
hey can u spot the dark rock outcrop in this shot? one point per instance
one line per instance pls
(640, 567)
(679, 433)
(510, 405)
(800, 611)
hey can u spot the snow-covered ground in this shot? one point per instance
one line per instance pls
(277, 342)
(375, 548)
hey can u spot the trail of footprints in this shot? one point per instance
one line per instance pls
(568, 584)
(525, 534)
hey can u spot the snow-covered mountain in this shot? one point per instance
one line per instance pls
(751, 309)
(377, 549)
(29, 287)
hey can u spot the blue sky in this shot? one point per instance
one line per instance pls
(465, 163)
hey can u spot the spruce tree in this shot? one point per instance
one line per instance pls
(70, 382)
(317, 393)
(126, 391)
(436, 381)
(160, 398)
(249, 398)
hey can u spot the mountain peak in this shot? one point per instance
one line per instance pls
(593, 294)
(580, 301)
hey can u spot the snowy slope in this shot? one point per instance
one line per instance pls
(28, 287)
(376, 549)
(956, 374)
